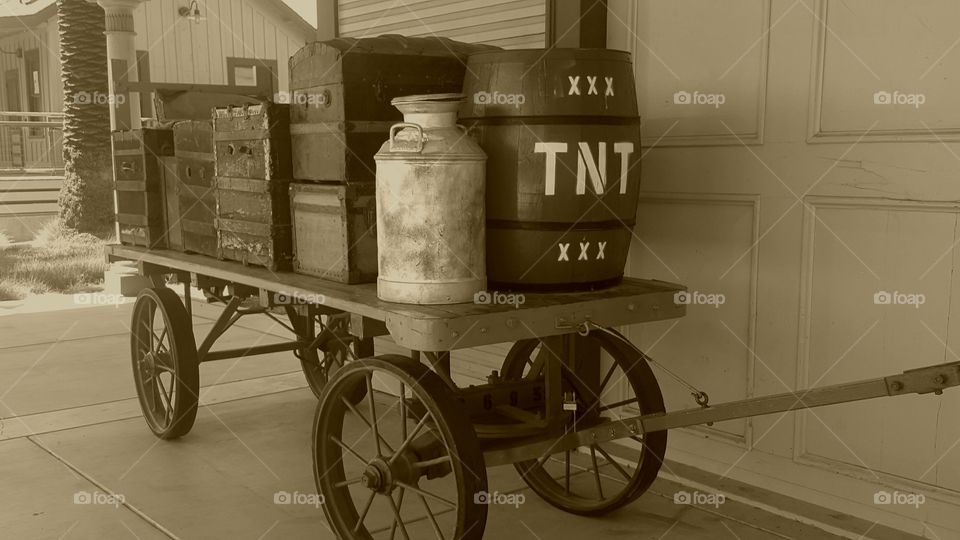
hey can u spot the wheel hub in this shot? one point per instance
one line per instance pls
(378, 476)
(149, 363)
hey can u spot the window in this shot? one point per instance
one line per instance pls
(253, 73)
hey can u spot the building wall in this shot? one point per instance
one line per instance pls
(184, 52)
(799, 198)
(44, 38)
(512, 24)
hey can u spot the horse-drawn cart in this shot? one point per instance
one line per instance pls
(398, 447)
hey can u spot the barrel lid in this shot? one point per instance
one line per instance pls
(421, 98)
(539, 55)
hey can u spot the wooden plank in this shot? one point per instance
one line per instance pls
(30, 184)
(439, 328)
(28, 196)
(27, 209)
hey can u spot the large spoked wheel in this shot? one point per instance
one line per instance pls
(403, 463)
(165, 366)
(588, 481)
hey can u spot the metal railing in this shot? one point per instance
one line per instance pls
(31, 140)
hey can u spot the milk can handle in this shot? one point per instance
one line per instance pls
(401, 125)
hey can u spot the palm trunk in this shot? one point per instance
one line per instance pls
(86, 199)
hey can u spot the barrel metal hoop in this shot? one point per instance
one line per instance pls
(561, 225)
(552, 120)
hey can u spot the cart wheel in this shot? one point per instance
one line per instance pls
(588, 481)
(405, 475)
(165, 366)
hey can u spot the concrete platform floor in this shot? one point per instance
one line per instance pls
(77, 461)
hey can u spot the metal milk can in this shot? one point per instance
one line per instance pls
(431, 180)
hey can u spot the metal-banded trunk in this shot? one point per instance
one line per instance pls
(138, 171)
(341, 91)
(334, 231)
(194, 208)
(252, 148)
(562, 136)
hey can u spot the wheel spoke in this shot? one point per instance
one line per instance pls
(432, 462)
(566, 483)
(618, 404)
(363, 514)
(373, 414)
(613, 462)
(396, 512)
(403, 412)
(596, 471)
(159, 348)
(346, 483)
(363, 418)
(424, 493)
(352, 452)
(433, 519)
(606, 379)
(409, 439)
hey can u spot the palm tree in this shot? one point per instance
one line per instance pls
(86, 199)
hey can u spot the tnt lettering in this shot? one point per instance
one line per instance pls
(591, 164)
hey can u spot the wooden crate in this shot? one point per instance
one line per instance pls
(195, 205)
(252, 147)
(335, 231)
(340, 110)
(138, 181)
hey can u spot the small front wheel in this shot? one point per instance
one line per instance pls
(402, 463)
(165, 366)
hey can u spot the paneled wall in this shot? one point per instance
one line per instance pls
(182, 51)
(825, 175)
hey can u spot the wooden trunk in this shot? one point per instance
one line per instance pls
(340, 110)
(196, 200)
(138, 181)
(334, 231)
(252, 146)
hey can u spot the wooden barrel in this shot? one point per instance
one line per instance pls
(562, 136)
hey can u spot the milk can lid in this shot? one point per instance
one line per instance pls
(424, 98)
